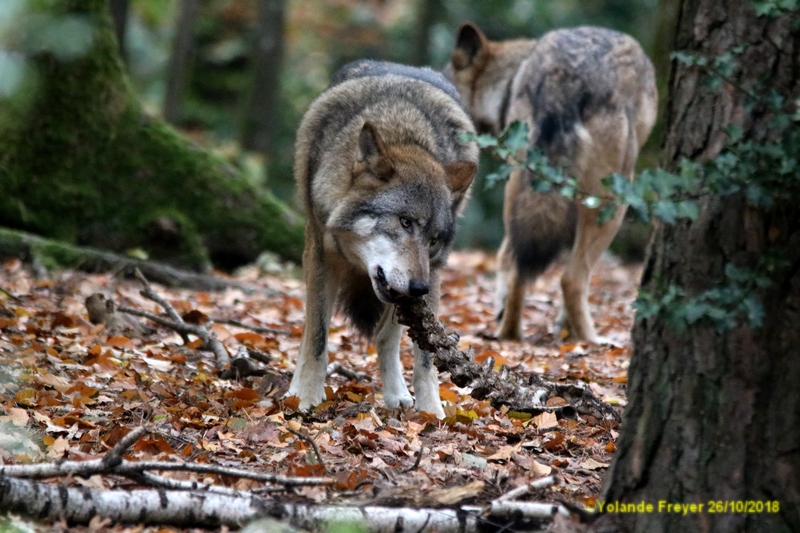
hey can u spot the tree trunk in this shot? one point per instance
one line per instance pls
(119, 12)
(430, 12)
(180, 59)
(714, 416)
(261, 115)
(82, 163)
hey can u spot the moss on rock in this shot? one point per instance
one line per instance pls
(85, 164)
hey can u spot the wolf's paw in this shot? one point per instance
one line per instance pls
(393, 401)
(430, 405)
(309, 396)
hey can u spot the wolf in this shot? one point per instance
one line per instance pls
(589, 98)
(383, 171)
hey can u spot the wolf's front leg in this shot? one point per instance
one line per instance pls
(426, 375)
(395, 392)
(426, 383)
(308, 382)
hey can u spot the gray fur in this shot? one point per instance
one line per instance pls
(589, 99)
(382, 172)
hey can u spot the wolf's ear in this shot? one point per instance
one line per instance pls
(372, 154)
(469, 42)
(459, 176)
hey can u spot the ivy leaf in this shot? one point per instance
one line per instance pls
(666, 211)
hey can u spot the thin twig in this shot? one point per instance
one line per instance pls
(114, 456)
(337, 368)
(259, 356)
(154, 480)
(150, 294)
(313, 445)
(257, 329)
(210, 341)
(527, 488)
(10, 295)
(416, 463)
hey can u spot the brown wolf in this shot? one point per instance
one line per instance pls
(382, 171)
(589, 98)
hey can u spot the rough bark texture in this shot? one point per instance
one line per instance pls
(82, 163)
(715, 416)
(180, 59)
(261, 120)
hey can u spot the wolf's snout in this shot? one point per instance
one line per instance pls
(417, 288)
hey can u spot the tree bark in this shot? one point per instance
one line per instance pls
(82, 163)
(180, 60)
(714, 416)
(119, 12)
(261, 116)
(430, 13)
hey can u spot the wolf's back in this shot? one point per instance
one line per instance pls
(407, 105)
(574, 79)
(574, 75)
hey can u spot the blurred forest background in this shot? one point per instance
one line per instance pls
(238, 74)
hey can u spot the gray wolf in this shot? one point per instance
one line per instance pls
(589, 98)
(382, 171)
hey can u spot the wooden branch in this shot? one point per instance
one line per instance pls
(176, 323)
(129, 468)
(337, 368)
(523, 490)
(113, 463)
(313, 445)
(520, 393)
(10, 295)
(252, 327)
(417, 462)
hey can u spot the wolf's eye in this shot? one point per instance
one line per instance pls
(406, 222)
(433, 242)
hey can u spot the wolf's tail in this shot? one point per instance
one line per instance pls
(541, 226)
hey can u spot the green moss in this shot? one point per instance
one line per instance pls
(86, 165)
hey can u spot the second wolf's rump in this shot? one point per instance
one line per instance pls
(382, 172)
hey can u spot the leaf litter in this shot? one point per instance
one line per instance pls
(70, 389)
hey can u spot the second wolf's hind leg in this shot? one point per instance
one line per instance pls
(387, 341)
(510, 294)
(616, 153)
(590, 242)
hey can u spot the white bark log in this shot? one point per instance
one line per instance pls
(54, 502)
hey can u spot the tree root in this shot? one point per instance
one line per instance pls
(55, 253)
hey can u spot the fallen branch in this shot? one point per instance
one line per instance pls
(10, 295)
(54, 502)
(520, 393)
(337, 368)
(313, 444)
(113, 463)
(28, 246)
(252, 327)
(526, 489)
(188, 503)
(177, 324)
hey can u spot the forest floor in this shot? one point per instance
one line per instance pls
(80, 388)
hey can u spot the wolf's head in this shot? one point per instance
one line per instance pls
(482, 71)
(399, 220)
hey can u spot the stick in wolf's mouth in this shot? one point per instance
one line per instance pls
(520, 393)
